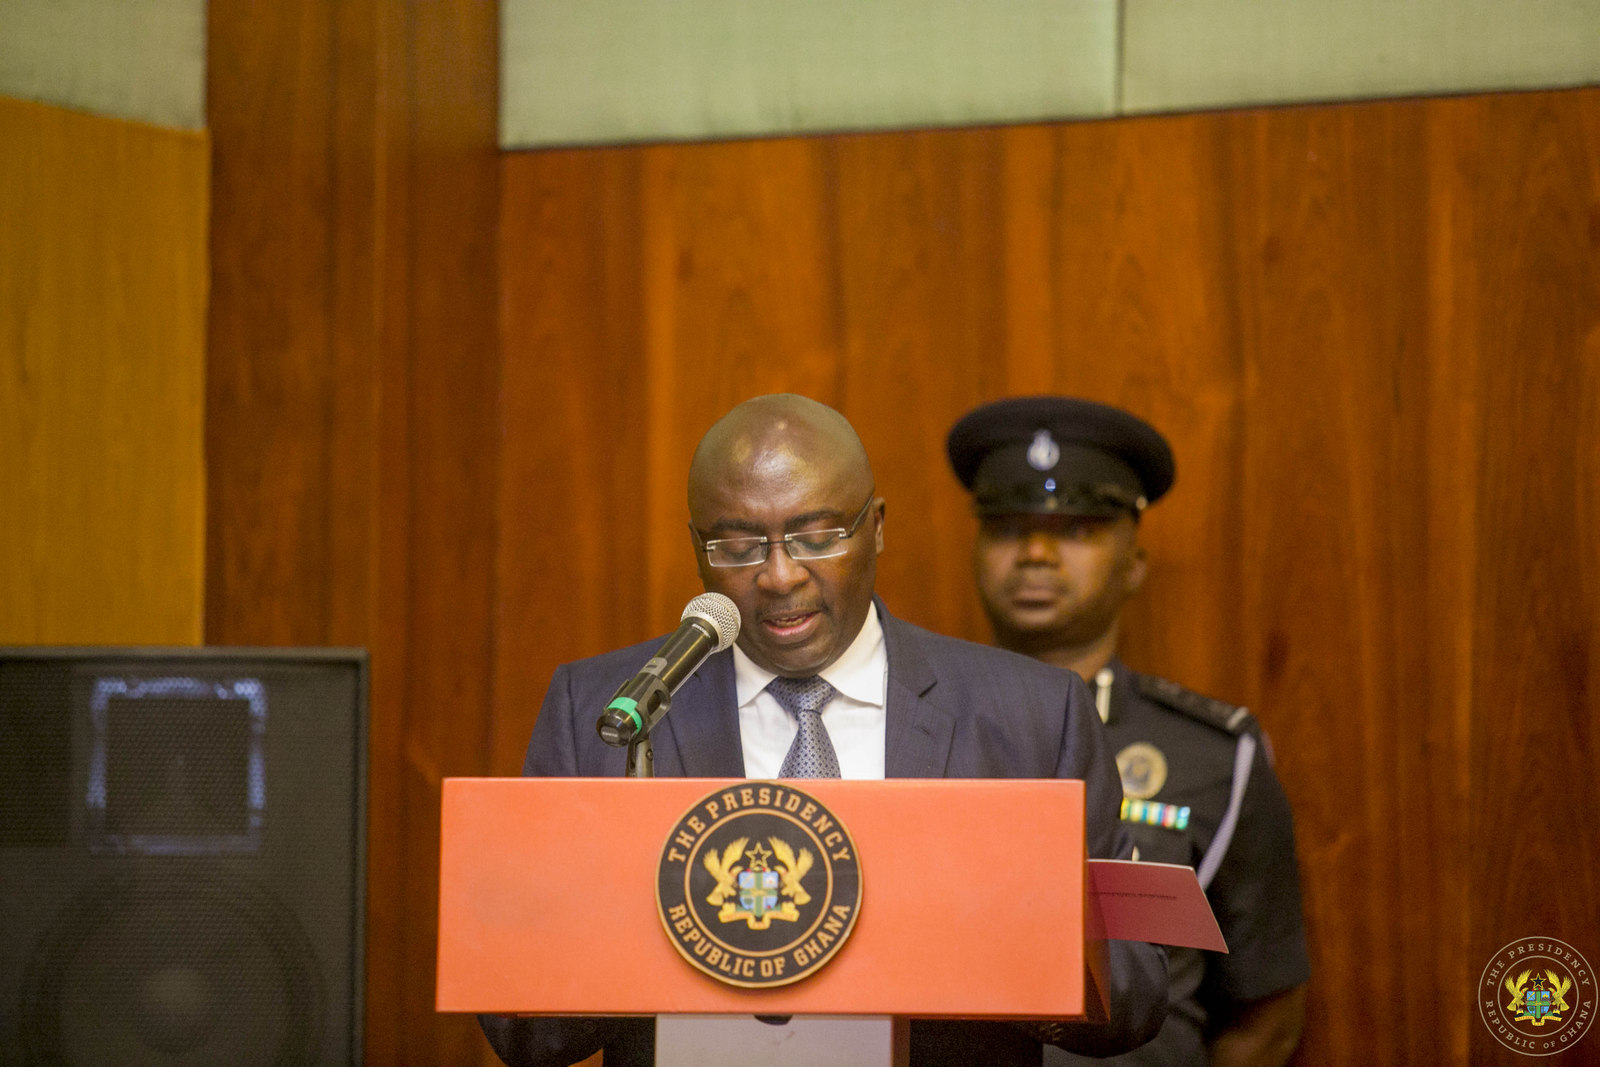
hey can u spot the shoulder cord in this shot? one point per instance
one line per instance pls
(1243, 759)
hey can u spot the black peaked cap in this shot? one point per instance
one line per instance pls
(1059, 454)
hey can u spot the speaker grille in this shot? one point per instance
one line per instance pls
(173, 964)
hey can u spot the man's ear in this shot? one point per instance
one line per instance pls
(879, 508)
(699, 556)
(1137, 569)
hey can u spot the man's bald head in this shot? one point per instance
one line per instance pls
(779, 435)
(777, 466)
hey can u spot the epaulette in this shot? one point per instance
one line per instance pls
(1230, 718)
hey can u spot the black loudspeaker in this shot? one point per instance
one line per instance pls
(182, 856)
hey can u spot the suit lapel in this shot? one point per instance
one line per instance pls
(699, 738)
(919, 728)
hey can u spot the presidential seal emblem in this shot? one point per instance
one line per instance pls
(759, 885)
(1537, 996)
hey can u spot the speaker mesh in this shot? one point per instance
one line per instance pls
(179, 964)
(176, 770)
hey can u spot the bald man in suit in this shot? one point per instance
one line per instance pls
(785, 521)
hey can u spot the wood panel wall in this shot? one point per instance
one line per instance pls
(452, 400)
(1372, 333)
(102, 371)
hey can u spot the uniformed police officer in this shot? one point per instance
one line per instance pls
(1059, 485)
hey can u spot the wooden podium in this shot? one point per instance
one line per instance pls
(973, 901)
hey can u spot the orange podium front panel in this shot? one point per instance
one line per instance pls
(972, 900)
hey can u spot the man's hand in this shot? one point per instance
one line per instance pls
(1264, 1034)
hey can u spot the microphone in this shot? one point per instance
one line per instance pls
(710, 624)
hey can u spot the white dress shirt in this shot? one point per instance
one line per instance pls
(855, 717)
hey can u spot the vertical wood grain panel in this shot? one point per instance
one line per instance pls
(920, 246)
(1450, 564)
(451, 309)
(1531, 183)
(102, 318)
(1333, 318)
(575, 545)
(353, 410)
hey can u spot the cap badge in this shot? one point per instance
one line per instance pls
(1043, 453)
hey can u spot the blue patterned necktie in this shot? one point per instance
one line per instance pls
(812, 754)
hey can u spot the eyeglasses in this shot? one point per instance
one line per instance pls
(805, 545)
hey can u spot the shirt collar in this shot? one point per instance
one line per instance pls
(1116, 676)
(858, 674)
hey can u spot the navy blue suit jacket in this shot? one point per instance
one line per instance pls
(954, 709)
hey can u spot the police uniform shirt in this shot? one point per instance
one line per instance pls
(1199, 790)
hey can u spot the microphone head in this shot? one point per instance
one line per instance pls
(719, 612)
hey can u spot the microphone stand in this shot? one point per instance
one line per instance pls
(641, 756)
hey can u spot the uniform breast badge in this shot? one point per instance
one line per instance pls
(1144, 770)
